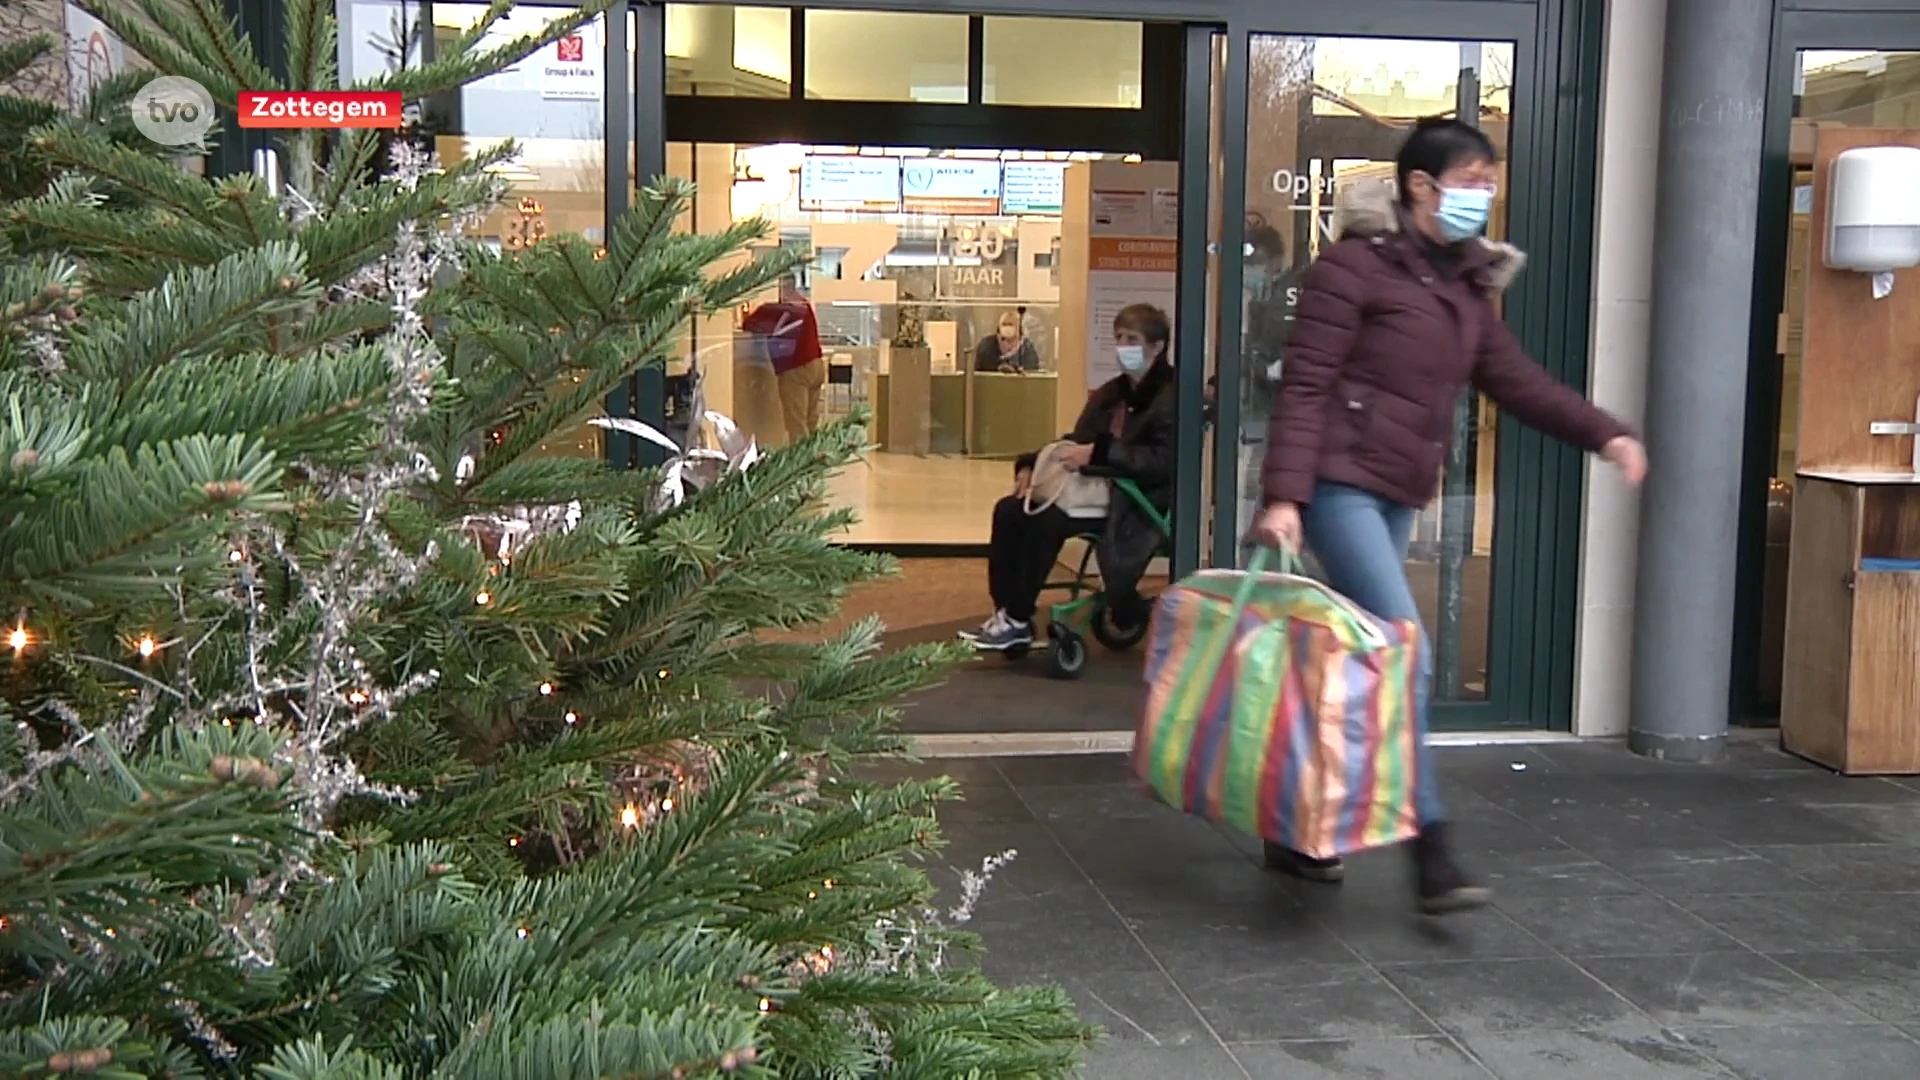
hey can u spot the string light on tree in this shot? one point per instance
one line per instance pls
(546, 689)
(146, 646)
(630, 816)
(483, 598)
(19, 639)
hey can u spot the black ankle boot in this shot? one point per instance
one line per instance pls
(1443, 887)
(1305, 867)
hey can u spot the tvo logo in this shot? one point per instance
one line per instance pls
(174, 111)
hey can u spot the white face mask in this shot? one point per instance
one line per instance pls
(1133, 358)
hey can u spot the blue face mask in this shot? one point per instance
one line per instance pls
(1133, 358)
(1463, 212)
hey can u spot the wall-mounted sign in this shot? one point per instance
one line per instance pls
(1034, 187)
(849, 182)
(950, 186)
(94, 55)
(568, 69)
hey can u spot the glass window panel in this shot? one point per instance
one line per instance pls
(886, 56)
(552, 104)
(1854, 89)
(923, 288)
(1323, 113)
(1022, 62)
(719, 50)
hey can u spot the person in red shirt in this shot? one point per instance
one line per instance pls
(791, 335)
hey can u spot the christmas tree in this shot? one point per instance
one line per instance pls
(348, 735)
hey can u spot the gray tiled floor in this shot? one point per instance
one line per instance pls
(1756, 920)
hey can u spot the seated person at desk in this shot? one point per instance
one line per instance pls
(1126, 431)
(1007, 350)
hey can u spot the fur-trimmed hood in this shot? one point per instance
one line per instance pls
(1368, 208)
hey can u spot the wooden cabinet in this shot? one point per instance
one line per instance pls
(1851, 693)
(1852, 690)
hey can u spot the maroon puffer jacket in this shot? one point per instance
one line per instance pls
(1382, 347)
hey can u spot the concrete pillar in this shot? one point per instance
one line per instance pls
(1622, 295)
(1705, 212)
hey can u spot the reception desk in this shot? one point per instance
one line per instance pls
(1008, 415)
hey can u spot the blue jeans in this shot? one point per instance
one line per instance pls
(1360, 541)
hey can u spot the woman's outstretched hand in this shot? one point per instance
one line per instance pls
(1278, 526)
(1626, 454)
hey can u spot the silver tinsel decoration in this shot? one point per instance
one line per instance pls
(327, 692)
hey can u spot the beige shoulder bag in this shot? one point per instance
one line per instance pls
(1055, 485)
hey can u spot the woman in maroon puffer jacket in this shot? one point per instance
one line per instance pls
(1394, 321)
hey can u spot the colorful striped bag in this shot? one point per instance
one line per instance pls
(1279, 707)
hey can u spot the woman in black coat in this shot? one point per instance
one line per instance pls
(1126, 432)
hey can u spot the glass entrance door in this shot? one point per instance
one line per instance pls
(1323, 111)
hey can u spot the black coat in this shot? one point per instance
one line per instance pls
(1142, 453)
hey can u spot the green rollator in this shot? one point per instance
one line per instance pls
(1085, 610)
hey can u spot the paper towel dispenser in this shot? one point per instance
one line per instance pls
(1873, 210)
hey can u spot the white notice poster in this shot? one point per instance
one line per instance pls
(1121, 213)
(1166, 212)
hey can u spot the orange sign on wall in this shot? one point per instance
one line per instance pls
(1135, 254)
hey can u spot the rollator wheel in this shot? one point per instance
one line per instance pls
(1067, 658)
(1113, 635)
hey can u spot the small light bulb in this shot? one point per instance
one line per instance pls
(666, 804)
(811, 895)
(664, 673)
(523, 933)
(630, 817)
(226, 721)
(513, 842)
(829, 883)
(357, 697)
(546, 689)
(147, 645)
(484, 598)
(766, 1006)
(827, 951)
(235, 555)
(19, 639)
(572, 717)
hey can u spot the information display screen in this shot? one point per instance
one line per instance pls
(850, 182)
(1034, 187)
(950, 185)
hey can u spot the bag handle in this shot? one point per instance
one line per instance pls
(1359, 621)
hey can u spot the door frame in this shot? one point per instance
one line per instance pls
(1553, 144)
(1890, 26)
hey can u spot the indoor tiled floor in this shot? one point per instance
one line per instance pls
(1758, 920)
